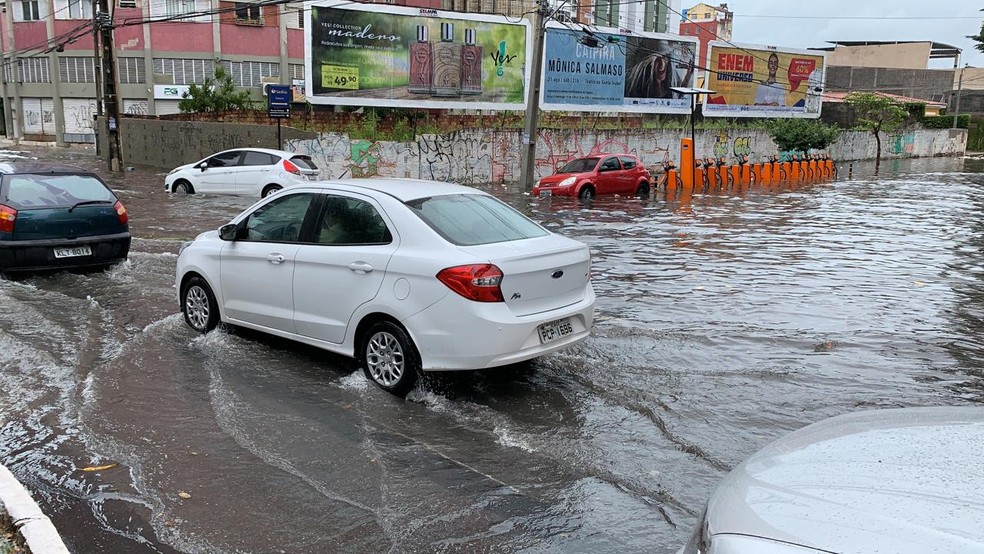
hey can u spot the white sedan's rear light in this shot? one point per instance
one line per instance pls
(478, 282)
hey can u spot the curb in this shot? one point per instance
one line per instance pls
(37, 530)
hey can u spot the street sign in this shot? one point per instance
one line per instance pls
(278, 101)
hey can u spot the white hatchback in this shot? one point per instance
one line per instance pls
(905, 481)
(242, 171)
(403, 275)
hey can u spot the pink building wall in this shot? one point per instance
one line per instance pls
(30, 34)
(84, 43)
(181, 37)
(295, 43)
(246, 40)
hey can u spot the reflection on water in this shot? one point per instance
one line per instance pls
(722, 322)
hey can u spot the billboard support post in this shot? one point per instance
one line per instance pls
(684, 164)
(528, 158)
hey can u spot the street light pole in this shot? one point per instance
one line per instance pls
(956, 107)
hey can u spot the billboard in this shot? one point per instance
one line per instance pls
(763, 81)
(612, 72)
(374, 55)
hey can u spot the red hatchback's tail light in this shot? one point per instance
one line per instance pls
(478, 282)
(291, 168)
(121, 212)
(8, 216)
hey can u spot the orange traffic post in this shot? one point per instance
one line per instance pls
(767, 173)
(699, 179)
(736, 175)
(671, 184)
(687, 163)
(829, 162)
(723, 173)
(787, 167)
(746, 171)
(814, 167)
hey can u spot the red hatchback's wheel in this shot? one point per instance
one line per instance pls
(587, 192)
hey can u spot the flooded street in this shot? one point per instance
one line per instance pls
(721, 324)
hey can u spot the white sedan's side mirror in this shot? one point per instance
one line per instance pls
(228, 231)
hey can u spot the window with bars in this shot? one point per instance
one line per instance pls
(33, 70)
(131, 71)
(77, 69)
(8, 73)
(248, 74)
(30, 10)
(296, 70)
(185, 72)
(73, 9)
(178, 7)
(248, 14)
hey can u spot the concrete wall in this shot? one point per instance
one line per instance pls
(490, 156)
(972, 102)
(927, 84)
(913, 55)
(168, 144)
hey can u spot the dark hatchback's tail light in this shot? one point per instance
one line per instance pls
(478, 282)
(291, 168)
(121, 212)
(8, 216)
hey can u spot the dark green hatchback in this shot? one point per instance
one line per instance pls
(58, 217)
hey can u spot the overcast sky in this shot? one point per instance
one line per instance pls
(812, 24)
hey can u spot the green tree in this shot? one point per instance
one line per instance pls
(216, 94)
(978, 38)
(802, 135)
(877, 113)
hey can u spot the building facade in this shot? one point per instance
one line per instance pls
(707, 23)
(50, 66)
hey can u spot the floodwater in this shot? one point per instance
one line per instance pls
(722, 323)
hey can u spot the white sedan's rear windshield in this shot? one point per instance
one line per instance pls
(471, 219)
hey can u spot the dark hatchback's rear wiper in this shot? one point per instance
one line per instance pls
(85, 202)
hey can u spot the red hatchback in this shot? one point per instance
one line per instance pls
(600, 174)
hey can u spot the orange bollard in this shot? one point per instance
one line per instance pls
(794, 174)
(711, 174)
(746, 171)
(787, 169)
(829, 164)
(671, 184)
(814, 173)
(766, 173)
(723, 173)
(687, 163)
(736, 175)
(699, 179)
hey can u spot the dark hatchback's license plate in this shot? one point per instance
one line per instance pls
(73, 252)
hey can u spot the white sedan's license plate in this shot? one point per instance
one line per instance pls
(73, 252)
(554, 330)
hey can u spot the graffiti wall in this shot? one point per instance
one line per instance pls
(486, 156)
(482, 156)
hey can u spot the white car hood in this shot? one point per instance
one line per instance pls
(901, 481)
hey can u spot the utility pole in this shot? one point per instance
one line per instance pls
(105, 21)
(530, 132)
(956, 107)
(97, 67)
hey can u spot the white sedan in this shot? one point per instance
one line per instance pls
(404, 275)
(900, 481)
(242, 171)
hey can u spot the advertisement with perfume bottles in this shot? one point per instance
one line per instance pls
(411, 57)
(605, 70)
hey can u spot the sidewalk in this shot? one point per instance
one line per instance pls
(37, 530)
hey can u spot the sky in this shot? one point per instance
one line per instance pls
(812, 24)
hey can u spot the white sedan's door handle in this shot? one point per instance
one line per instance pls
(276, 258)
(360, 267)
